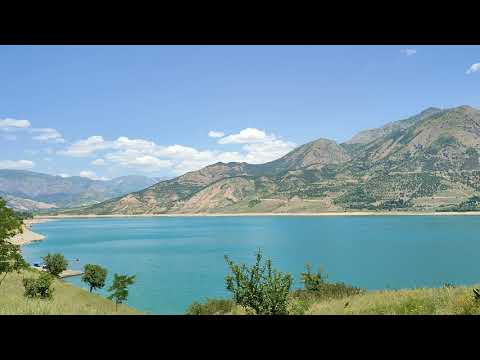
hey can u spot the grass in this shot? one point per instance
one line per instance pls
(425, 301)
(446, 300)
(67, 300)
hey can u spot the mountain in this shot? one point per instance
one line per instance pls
(429, 161)
(27, 190)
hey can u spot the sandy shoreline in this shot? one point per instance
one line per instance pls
(28, 236)
(352, 213)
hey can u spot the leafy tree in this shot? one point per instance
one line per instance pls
(259, 288)
(119, 288)
(55, 264)
(39, 287)
(94, 276)
(10, 224)
(10, 257)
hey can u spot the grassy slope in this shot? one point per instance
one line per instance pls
(67, 300)
(424, 301)
(427, 301)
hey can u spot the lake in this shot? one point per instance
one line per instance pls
(181, 259)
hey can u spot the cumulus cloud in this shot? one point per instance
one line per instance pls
(48, 134)
(91, 175)
(257, 147)
(474, 68)
(246, 136)
(86, 147)
(408, 52)
(14, 123)
(216, 134)
(16, 164)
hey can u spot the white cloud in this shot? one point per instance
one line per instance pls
(16, 164)
(408, 52)
(13, 123)
(91, 175)
(141, 154)
(48, 134)
(246, 136)
(474, 68)
(216, 134)
(86, 147)
(259, 147)
(99, 162)
(64, 175)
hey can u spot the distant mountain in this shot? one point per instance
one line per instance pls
(429, 161)
(27, 190)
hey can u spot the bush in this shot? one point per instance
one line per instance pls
(260, 288)
(316, 287)
(55, 264)
(211, 307)
(39, 287)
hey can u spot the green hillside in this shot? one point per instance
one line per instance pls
(428, 162)
(67, 300)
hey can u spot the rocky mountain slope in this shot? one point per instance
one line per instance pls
(26, 190)
(427, 162)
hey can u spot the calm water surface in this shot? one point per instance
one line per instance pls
(180, 259)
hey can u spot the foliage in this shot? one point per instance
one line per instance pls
(10, 224)
(39, 287)
(254, 202)
(311, 281)
(316, 286)
(94, 276)
(11, 259)
(211, 307)
(119, 288)
(55, 264)
(260, 288)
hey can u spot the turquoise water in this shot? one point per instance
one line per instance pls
(180, 259)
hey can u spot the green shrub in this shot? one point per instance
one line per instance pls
(211, 307)
(39, 287)
(260, 288)
(316, 287)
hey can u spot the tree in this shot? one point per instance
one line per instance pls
(119, 288)
(259, 288)
(55, 264)
(39, 287)
(10, 224)
(94, 276)
(10, 257)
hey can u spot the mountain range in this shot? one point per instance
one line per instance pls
(27, 190)
(426, 162)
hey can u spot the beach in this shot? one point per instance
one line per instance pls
(332, 213)
(27, 236)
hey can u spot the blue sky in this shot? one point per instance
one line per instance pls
(107, 111)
